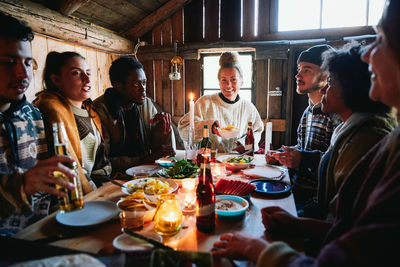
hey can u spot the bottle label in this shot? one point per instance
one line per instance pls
(206, 166)
(248, 147)
(206, 210)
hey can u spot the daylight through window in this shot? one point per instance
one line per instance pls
(322, 14)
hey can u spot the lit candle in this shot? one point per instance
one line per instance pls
(188, 184)
(170, 221)
(268, 136)
(191, 110)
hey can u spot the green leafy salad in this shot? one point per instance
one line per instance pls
(181, 169)
(240, 160)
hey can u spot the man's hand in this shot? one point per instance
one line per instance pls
(277, 220)
(40, 177)
(239, 246)
(240, 148)
(269, 159)
(163, 120)
(291, 158)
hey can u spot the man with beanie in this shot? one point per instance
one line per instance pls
(314, 131)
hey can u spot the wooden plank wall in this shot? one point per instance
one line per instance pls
(99, 63)
(186, 26)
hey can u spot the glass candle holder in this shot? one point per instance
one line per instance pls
(218, 171)
(187, 200)
(168, 217)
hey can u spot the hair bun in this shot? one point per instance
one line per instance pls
(229, 58)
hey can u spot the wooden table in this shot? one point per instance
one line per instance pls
(98, 239)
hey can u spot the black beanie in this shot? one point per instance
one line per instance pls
(313, 54)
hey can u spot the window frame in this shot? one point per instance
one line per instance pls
(218, 53)
(274, 14)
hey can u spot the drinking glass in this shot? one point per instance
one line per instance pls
(190, 151)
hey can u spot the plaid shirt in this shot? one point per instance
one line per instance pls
(22, 142)
(314, 133)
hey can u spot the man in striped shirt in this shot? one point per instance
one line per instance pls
(25, 182)
(315, 128)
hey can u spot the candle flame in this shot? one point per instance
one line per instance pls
(191, 96)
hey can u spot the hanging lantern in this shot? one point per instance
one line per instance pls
(176, 65)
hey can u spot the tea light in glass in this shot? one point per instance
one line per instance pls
(187, 195)
(168, 216)
(189, 184)
(218, 171)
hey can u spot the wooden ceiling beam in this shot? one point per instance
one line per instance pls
(154, 19)
(66, 7)
(53, 24)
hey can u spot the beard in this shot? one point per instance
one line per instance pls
(318, 84)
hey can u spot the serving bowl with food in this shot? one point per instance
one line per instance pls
(230, 206)
(180, 170)
(154, 186)
(229, 131)
(135, 210)
(236, 163)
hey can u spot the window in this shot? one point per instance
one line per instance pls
(210, 72)
(323, 14)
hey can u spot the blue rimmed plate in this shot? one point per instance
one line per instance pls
(271, 187)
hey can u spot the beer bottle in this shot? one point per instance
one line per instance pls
(74, 199)
(205, 214)
(249, 143)
(204, 146)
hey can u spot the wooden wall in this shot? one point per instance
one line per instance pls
(185, 27)
(99, 63)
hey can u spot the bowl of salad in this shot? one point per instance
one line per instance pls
(181, 169)
(236, 163)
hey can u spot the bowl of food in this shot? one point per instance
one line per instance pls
(165, 162)
(230, 206)
(181, 169)
(156, 185)
(236, 163)
(135, 210)
(229, 131)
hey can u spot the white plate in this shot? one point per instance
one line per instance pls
(129, 243)
(271, 172)
(173, 184)
(92, 213)
(150, 169)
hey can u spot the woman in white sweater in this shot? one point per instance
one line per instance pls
(225, 108)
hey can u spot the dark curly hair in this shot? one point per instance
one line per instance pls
(121, 67)
(14, 29)
(346, 67)
(390, 25)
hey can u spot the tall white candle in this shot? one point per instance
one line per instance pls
(191, 111)
(268, 136)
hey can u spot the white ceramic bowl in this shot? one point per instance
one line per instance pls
(234, 132)
(234, 166)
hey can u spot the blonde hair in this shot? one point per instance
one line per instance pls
(229, 60)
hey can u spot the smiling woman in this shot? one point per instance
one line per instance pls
(227, 107)
(66, 99)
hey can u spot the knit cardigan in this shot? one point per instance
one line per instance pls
(56, 108)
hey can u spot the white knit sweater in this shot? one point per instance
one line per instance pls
(210, 108)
